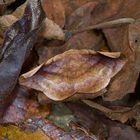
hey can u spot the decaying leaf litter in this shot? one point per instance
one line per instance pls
(61, 60)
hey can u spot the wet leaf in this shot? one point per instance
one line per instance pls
(62, 76)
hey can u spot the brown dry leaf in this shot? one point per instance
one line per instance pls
(119, 113)
(100, 125)
(71, 6)
(134, 41)
(50, 30)
(134, 115)
(117, 38)
(1, 41)
(85, 40)
(5, 22)
(125, 82)
(8, 20)
(82, 71)
(81, 17)
(110, 54)
(44, 100)
(55, 11)
(98, 11)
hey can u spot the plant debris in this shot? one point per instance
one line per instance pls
(69, 69)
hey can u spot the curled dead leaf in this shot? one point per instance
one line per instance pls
(74, 71)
